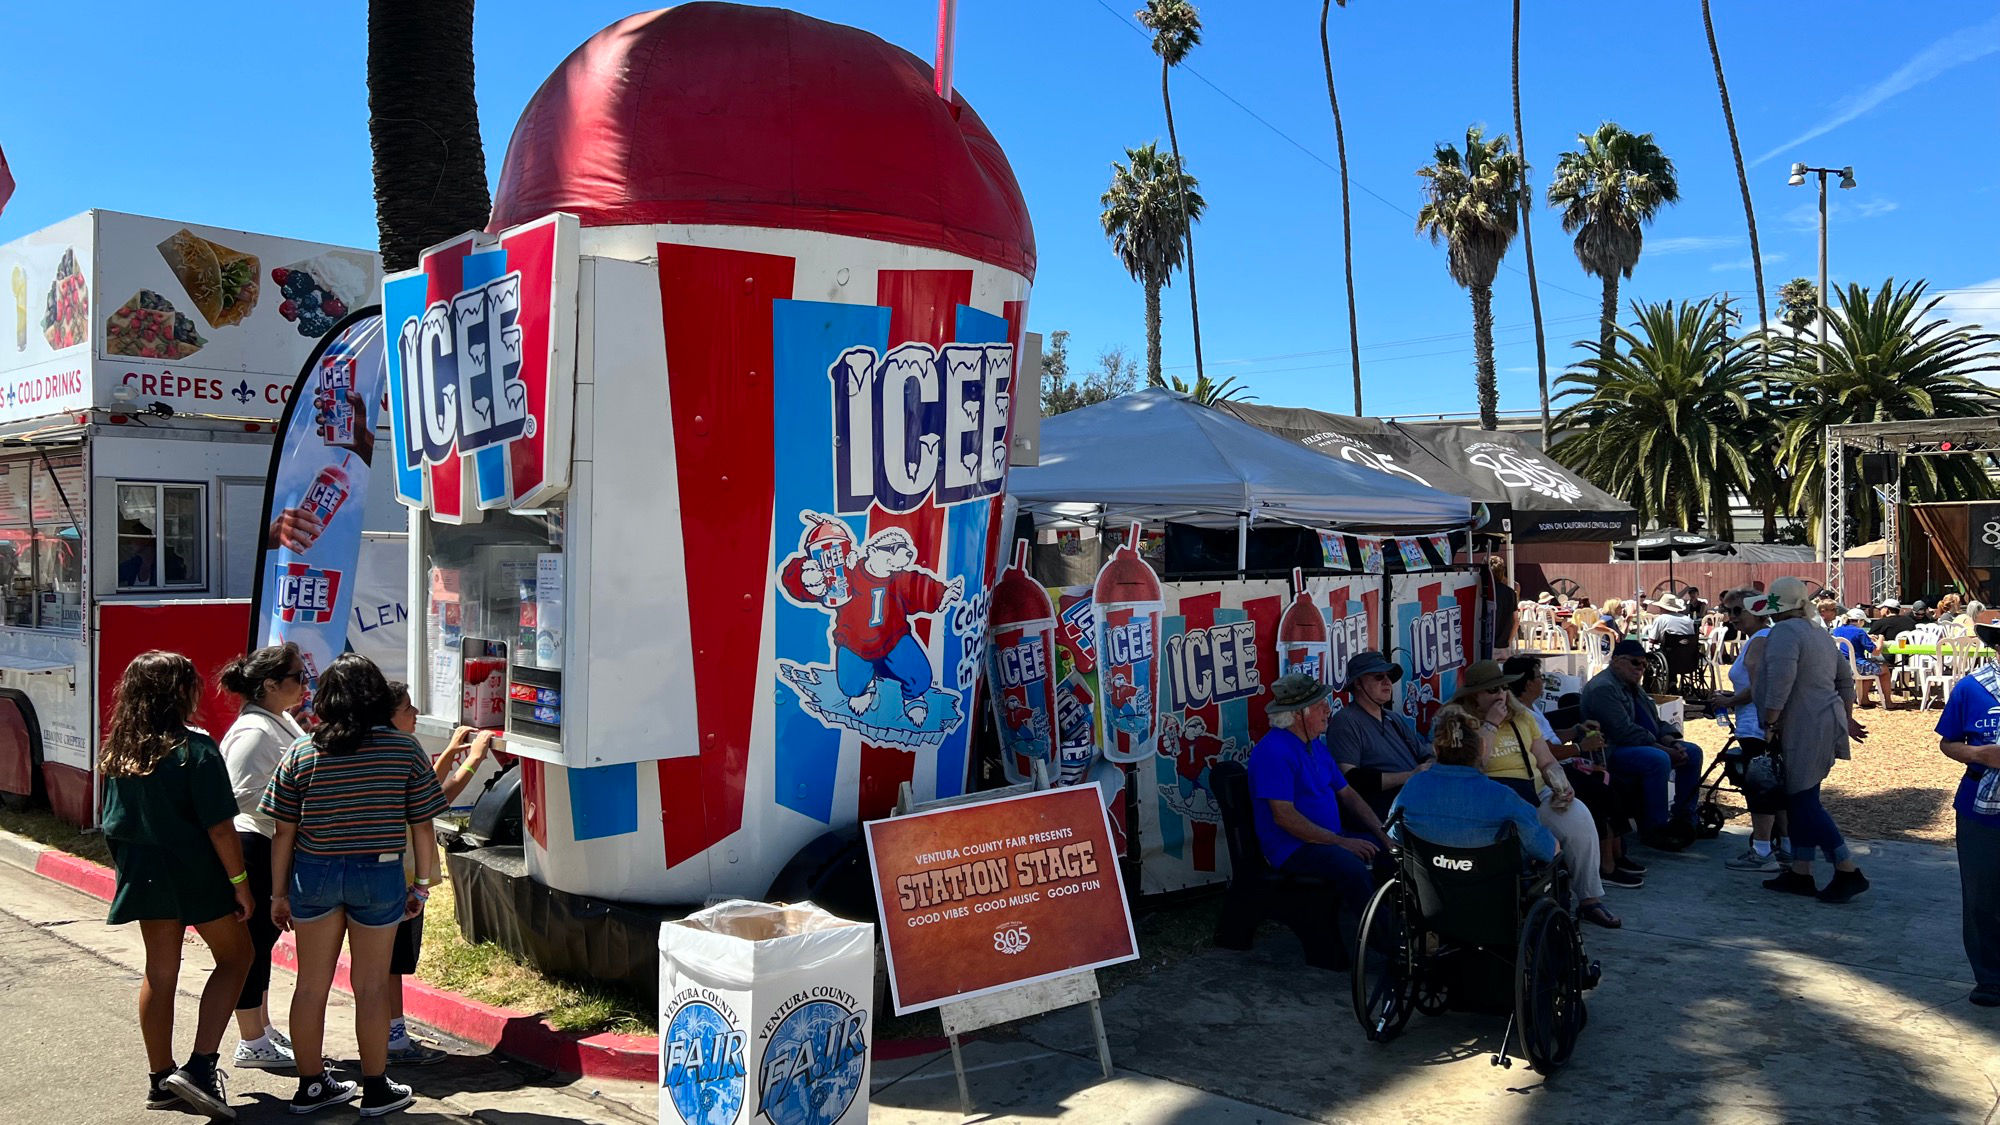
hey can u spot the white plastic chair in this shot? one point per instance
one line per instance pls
(1596, 647)
(1956, 656)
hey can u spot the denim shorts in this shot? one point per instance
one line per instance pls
(370, 887)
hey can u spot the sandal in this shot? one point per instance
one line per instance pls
(1596, 915)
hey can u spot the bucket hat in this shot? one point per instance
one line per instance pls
(1483, 676)
(1295, 691)
(1369, 661)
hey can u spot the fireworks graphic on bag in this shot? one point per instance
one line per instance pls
(1021, 663)
(1303, 645)
(1127, 603)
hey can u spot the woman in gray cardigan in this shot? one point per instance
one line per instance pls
(1805, 697)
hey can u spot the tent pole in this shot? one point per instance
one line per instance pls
(1242, 545)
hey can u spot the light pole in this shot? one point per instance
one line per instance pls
(1798, 179)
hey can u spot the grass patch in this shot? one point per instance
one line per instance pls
(488, 973)
(41, 826)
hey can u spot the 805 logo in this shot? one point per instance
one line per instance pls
(1011, 938)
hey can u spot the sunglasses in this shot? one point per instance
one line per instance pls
(298, 674)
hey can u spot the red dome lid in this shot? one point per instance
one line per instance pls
(742, 116)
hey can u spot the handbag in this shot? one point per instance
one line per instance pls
(1764, 775)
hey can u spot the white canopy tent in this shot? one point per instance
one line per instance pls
(1156, 455)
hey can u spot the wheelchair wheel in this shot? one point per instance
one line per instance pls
(1548, 986)
(1384, 966)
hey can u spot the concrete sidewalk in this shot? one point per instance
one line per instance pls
(1721, 1002)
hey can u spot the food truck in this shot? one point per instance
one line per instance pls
(705, 440)
(146, 365)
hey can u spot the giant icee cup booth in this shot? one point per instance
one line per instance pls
(706, 438)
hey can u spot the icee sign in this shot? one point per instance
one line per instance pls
(481, 364)
(919, 421)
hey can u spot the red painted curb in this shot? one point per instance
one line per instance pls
(518, 1035)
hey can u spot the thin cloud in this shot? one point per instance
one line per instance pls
(1693, 243)
(1978, 303)
(1725, 267)
(1806, 215)
(1953, 50)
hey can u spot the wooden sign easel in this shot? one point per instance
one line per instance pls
(961, 1017)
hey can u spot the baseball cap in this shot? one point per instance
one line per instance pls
(1857, 614)
(1890, 603)
(1628, 648)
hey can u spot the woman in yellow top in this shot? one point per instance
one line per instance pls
(1521, 761)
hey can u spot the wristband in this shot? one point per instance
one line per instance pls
(240, 878)
(421, 894)
(423, 882)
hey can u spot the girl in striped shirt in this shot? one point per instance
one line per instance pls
(343, 799)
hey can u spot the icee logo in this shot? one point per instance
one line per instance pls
(813, 1061)
(703, 1067)
(918, 421)
(306, 593)
(462, 361)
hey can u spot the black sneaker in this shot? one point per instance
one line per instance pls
(1986, 997)
(387, 1097)
(320, 1091)
(1667, 838)
(158, 1096)
(1845, 887)
(200, 1087)
(1623, 878)
(1791, 882)
(1630, 866)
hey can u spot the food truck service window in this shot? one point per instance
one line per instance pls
(493, 622)
(162, 536)
(41, 541)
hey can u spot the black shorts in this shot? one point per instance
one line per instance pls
(1732, 767)
(409, 946)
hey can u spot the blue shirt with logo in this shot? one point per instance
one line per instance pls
(1284, 767)
(1971, 716)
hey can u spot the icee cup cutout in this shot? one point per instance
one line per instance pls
(801, 282)
(765, 1010)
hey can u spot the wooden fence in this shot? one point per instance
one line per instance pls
(1712, 574)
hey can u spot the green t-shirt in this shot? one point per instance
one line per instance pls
(174, 806)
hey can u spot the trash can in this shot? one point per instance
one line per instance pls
(765, 1010)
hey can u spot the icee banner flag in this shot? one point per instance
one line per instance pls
(315, 505)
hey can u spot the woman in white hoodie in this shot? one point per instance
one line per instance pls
(271, 682)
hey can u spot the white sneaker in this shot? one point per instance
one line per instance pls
(269, 1054)
(1751, 861)
(278, 1037)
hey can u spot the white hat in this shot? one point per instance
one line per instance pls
(1670, 603)
(1788, 594)
(1857, 614)
(1890, 603)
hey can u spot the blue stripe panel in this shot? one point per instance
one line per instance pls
(1173, 826)
(489, 464)
(604, 801)
(402, 300)
(966, 527)
(807, 336)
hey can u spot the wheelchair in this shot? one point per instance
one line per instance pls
(1474, 929)
(1676, 667)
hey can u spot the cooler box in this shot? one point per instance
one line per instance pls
(765, 1014)
(1673, 710)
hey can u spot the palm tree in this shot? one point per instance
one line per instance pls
(1798, 304)
(1346, 219)
(1888, 359)
(1176, 31)
(1473, 202)
(1527, 240)
(1667, 423)
(423, 126)
(1742, 177)
(1608, 192)
(1208, 392)
(1143, 212)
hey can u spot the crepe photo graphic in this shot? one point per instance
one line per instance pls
(66, 314)
(221, 282)
(149, 327)
(318, 291)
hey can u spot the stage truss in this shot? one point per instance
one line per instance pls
(1927, 437)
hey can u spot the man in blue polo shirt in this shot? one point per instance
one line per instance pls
(1967, 733)
(1309, 820)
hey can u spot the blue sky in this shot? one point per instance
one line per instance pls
(257, 119)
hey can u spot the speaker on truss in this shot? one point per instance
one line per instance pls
(1878, 468)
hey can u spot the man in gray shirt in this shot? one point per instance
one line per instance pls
(1375, 747)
